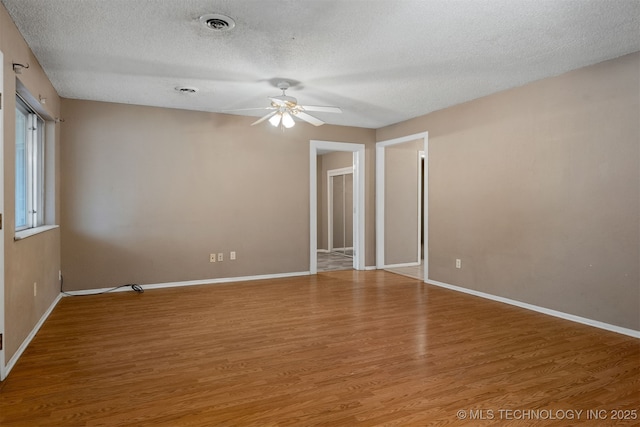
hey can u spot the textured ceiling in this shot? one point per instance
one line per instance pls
(381, 61)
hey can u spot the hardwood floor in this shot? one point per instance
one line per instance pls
(344, 348)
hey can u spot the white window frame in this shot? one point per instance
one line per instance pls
(34, 167)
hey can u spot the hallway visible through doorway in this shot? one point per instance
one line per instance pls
(332, 261)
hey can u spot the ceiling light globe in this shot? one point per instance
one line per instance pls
(287, 120)
(275, 119)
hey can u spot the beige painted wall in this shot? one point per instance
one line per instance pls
(537, 190)
(37, 258)
(402, 174)
(149, 193)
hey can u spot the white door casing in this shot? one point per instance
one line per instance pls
(3, 367)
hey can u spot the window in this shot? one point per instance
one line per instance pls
(29, 167)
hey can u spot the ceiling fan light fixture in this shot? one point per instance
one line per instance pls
(287, 120)
(275, 120)
(284, 107)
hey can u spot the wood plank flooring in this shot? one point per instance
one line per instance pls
(342, 348)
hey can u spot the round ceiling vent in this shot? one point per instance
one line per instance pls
(217, 22)
(186, 89)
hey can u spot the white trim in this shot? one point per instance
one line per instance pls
(31, 335)
(425, 208)
(341, 171)
(23, 234)
(358, 151)
(341, 249)
(370, 268)
(359, 207)
(578, 319)
(421, 156)
(3, 370)
(380, 173)
(406, 264)
(189, 283)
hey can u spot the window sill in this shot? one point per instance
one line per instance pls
(23, 234)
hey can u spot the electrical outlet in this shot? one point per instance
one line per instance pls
(220, 256)
(232, 255)
(212, 257)
(458, 263)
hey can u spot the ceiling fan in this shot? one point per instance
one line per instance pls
(285, 108)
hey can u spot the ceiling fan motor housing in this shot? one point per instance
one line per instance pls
(289, 100)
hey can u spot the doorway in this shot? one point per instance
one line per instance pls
(414, 269)
(337, 233)
(401, 232)
(355, 247)
(340, 211)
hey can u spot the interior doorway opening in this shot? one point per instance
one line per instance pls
(340, 211)
(402, 205)
(336, 196)
(416, 270)
(340, 232)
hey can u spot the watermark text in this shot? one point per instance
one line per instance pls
(548, 414)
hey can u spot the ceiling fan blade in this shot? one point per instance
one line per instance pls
(250, 109)
(321, 109)
(263, 118)
(308, 118)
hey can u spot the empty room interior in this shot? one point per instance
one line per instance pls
(322, 212)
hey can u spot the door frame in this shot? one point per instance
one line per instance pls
(358, 150)
(380, 192)
(330, 175)
(421, 156)
(3, 366)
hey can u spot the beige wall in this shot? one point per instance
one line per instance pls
(149, 193)
(35, 259)
(401, 199)
(537, 190)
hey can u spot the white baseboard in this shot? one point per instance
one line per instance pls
(322, 251)
(31, 335)
(406, 264)
(348, 248)
(190, 283)
(590, 322)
